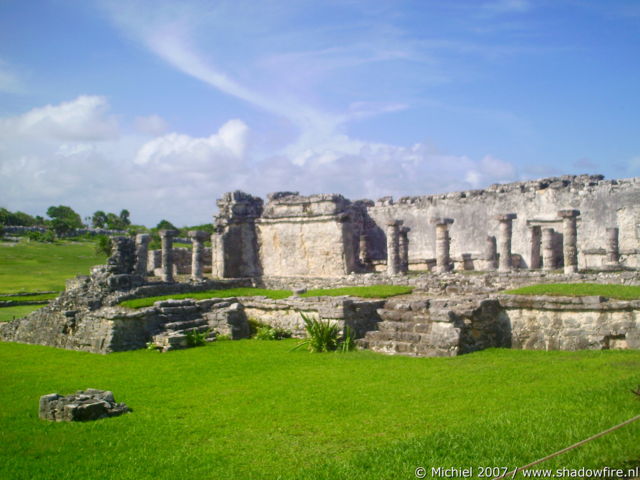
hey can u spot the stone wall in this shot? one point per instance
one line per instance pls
(534, 225)
(299, 236)
(569, 323)
(602, 204)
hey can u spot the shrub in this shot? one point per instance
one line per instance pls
(103, 245)
(324, 336)
(348, 343)
(267, 332)
(196, 338)
(46, 237)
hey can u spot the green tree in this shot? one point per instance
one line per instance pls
(16, 218)
(99, 219)
(124, 217)
(165, 225)
(64, 219)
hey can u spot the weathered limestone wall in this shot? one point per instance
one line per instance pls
(235, 243)
(300, 236)
(602, 204)
(566, 323)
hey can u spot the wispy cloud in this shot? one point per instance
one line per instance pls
(9, 81)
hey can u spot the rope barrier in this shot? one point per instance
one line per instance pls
(512, 473)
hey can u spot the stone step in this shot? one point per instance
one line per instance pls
(381, 336)
(186, 324)
(421, 327)
(403, 315)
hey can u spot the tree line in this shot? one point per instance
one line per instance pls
(63, 220)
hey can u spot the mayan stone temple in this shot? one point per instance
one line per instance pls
(458, 250)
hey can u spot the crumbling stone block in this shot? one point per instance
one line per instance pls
(84, 405)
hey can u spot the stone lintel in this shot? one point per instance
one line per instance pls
(506, 217)
(569, 213)
(143, 238)
(198, 235)
(340, 217)
(441, 221)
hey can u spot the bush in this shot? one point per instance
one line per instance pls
(323, 336)
(46, 237)
(196, 338)
(103, 245)
(267, 332)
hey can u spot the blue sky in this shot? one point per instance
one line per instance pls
(160, 107)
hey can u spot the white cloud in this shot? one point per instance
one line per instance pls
(176, 151)
(179, 176)
(152, 125)
(84, 119)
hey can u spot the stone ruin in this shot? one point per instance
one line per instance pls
(573, 228)
(84, 405)
(570, 223)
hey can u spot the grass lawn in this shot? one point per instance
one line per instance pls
(623, 292)
(34, 266)
(256, 410)
(374, 291)
(11, 313)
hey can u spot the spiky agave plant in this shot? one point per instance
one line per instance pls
(323, 336)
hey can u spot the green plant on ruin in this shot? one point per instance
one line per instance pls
(103, 245)
(348, 342)
(196, 338)
(267, 332)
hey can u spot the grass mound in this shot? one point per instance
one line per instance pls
(29, 298)
(374, 291)
(11, 313)
(622, 292)
(230, 292)
(247, 409)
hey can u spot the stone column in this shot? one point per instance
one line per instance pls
(490, 253)
(505, 229)
(197, 238)
(613, 248)
(363, 251)
(548, 252)
(403, 247)
(166, 238)
(217, 256)
(570, 239)
(142, 254)
(536, 238)
(443, 244)
(393, 247)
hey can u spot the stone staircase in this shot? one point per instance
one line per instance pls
(413, 328)
(438, 327)
(177, 318)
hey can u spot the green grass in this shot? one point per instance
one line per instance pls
(30, 298)
(256, 410)
(373, 291)
(623, 292)
(231, 292)
(33, 266)
(10, 313)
